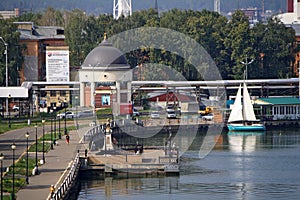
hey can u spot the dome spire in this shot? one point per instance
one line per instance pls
(104, 41)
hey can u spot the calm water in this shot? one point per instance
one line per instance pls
(260, 166)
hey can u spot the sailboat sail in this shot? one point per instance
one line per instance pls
(236, 112)
(242, 117)
(248, 112)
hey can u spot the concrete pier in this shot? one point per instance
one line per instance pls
(154, 161)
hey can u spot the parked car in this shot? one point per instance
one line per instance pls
(85, 113)
(208, 117)
(170, 108)
(155, 115)
(16, 108)
(171, 115)
(68, 115)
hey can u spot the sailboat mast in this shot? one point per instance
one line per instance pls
(243, 92)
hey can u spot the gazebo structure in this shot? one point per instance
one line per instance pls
(105, 79)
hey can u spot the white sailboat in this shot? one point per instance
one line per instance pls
(242, 117)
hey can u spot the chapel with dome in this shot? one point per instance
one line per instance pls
(105, 79)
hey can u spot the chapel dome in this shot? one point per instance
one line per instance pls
(105, 55)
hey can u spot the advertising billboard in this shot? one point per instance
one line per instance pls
(57, 64)
(106, 100)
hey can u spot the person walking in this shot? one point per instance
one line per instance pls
(52, 190)
(67, 138)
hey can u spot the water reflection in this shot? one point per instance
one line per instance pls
(244, 141)
(241, 166)
(280, 138)
(110, 187)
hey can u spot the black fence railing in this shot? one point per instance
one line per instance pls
(61, 191)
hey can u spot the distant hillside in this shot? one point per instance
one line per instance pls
(106, 6)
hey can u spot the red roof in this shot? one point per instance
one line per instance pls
(172, 97)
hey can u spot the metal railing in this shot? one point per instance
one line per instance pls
(61, 191)
(88, 136)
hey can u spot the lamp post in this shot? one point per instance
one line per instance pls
(95, 113)
(170, 140)
(8, 100)
(246, 64)
(1, 159)
(76, 98)
(13, 147)
(6, 69)
(59, 133)
(51, 138)
(65, 105)
(43, 122)
(36, 149)
(54, 118)
(27, 135)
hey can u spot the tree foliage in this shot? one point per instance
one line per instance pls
(230, 42)
(11, 37)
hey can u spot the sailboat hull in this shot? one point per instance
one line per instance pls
(241, 127)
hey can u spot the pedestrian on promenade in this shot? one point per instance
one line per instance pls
(85, 153)
(52, 190)
(67, 138)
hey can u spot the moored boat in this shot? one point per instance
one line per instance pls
(242, 116)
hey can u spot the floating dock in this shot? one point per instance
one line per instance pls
(141, 161)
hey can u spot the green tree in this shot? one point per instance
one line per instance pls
(238, 44)
(30, 17)
(274, 49)
(11, 36)
(75, 23)
(51, 17)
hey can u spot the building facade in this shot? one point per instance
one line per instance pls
(279, 108)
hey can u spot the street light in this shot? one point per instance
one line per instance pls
(43, 122)
(6, 69)
(95, 113)
(59, 133)
(170, 141)
(27, 135)
(65, 105)
(54, 118)
(1, 159)
(51, 137)
(76, 98)
(246, 64)
(13, 147)
(8, 101)
(36, 149)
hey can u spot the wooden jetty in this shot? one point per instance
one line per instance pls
(151, 161)
(108, 158)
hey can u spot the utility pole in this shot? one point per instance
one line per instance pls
(6, 70)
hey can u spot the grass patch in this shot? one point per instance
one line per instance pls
(47, 144)
(7, 183)
(40, 147)
(4, 126)
(20, 176)
(20, 166)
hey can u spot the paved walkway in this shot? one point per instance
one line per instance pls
(52, 172)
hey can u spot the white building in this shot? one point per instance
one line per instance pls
(105, 79)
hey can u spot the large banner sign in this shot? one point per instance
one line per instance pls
(57, 64)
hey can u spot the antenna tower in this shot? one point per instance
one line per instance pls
(122, 7)
(217, 6)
